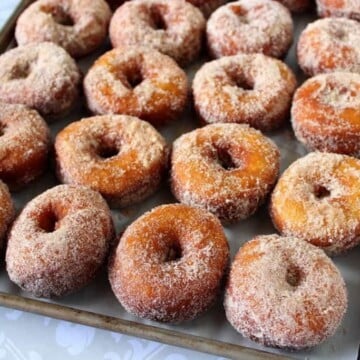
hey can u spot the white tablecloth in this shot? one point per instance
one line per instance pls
(25, 336)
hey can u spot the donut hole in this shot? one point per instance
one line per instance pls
(107, 150)
(237, 79)
(224, 158)
(174, 252)
(2, 128)
(338, 33)
(20, 71)
(59, 15)
(49, 220)
(293, 276)
(157, 19)
(134, 78)
(321, 192)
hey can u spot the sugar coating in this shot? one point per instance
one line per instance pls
(250, 26)
(54, 263)
(127, 177)
(161, 96)
(326, 113)
(329, 45)
(24, 144)
(262, 304)
(136, 23)
(44, 21)
(7, 212)
(245, 88)
(207, 6)
(295, 5)
(198, 178)
(150, 283)
(331, 220)
(42, 76)
(343, 8)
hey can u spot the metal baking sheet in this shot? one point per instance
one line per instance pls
(96, 305)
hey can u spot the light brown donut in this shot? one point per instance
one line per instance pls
(42, 76)
(169, 263)
(79, 26)
(59, 241)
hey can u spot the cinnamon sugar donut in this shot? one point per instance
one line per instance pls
(120, 156)
(339, 8)
(227, 169)
(285, 293)
(174, 27)
(137, 81)
(326, 113)
(169, 263)
(245, 88)
(42, 76)
(7, 211)
(79, 26)
(250, 26)
(318, 199)
(329, 45)
(24, 145)
(59, 241)
(207, 6)
(295, 5)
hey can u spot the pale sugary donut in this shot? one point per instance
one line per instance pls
(339, 8)
(284, 292)
(169, 263)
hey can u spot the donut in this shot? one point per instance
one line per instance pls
(24, 145)
(120, 156)
(174, 27)
(284, 292)
(137, 81)
(250, 26)
(227, 169)
(42, 76)
(326, 113)
(169, 264)
(339, 8)
(245, 88)
(295, 5)
(79, 26)
(7, 212)
(317, 200)
(207, 6)
(329, 45)
(59, 241)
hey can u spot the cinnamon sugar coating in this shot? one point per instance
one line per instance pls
(122, 157)
(283, 292)
(59, 241)
(227, 169)
(24, 145)
(137, 81)
(317, 199)
(326, 113)
(246, 88)
(339, 8)
(174, 27)
(42, 76)
(79, 26)
(169, 263)
(329, 45)
(250, 26)
(7, 212)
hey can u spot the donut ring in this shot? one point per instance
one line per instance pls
(317, 199)
(67, 231)
(295, 5)
(172, 247)
(7, 212)
(174, 28)
(137, 81)
(120, 156)
(207, 6)
(326, 113)
(335, 8)
(79, 26)
(329, 45)
(41, 76)
(285, 293)
(227, 169)
(250, 26)
(246, 88)
(24, 145)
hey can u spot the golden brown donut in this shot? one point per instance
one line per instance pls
(122, 157)
(137, 81)
(24, 145)
(169, 263)
(285, 293)
(227, 169)
(59, 241)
